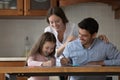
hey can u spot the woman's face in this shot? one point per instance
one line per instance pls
(56, 22)
(48, 48)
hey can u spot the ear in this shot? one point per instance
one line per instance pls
(94, 35)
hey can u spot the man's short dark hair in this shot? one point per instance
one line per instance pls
(89, 24)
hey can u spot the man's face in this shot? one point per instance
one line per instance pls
(85, 37)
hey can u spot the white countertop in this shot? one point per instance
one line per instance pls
(12, 58)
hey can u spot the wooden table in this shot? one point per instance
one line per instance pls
(52, 71)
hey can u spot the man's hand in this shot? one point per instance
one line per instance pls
(95, 63)
(64, 61)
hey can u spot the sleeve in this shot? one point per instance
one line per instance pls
(113, 55)
(74, 31)
(47, 29)
(32, 62)
(67, 51)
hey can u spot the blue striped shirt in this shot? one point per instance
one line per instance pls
(99, 50)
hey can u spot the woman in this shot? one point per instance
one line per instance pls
(42, 54)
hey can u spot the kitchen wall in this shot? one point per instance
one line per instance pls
(13, 32)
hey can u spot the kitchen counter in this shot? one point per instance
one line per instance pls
(12, 58)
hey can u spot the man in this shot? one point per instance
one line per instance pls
(89, 50)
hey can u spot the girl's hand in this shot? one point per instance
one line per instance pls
(53, 62)
(49, 63)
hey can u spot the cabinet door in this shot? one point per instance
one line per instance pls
(11, 7)
(38, 7)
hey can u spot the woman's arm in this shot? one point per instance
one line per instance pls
(103, 37)
(61, 48)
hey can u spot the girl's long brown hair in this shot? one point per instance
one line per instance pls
(37, 47)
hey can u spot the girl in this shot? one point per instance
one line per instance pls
(42, 54)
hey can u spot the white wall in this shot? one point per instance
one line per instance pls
(13, 32)
(103, 13)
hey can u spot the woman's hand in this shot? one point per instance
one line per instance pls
(103, 37)
(70, 38)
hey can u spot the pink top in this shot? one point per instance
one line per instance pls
(37, 60)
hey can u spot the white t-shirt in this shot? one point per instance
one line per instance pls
(71, 29)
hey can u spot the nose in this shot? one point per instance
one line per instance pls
(80, 36)
(49, 50)
(54, 24)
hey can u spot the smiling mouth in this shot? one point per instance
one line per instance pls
(47, 55)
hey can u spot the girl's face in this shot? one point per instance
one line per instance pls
(56, 22)
(48, 48)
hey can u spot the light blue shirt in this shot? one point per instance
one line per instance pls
(99, 50)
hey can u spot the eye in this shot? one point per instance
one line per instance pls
(46, 47)
(57, 21)
(51, 22)
(52, 48)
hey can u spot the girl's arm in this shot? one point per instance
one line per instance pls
(32, 62)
